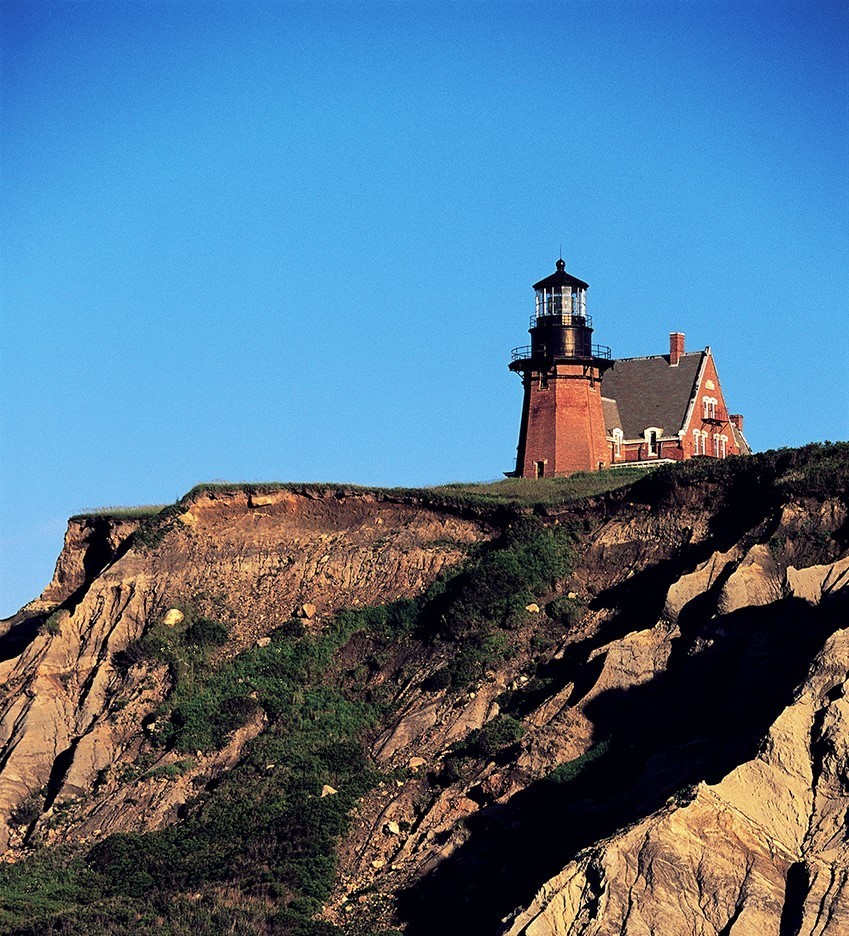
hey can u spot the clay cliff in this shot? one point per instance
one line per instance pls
(624, 712)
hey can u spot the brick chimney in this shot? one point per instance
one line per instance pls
(676, 348)
(736, 420)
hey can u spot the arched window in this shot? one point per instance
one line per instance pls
(617, 443)
(652, 436)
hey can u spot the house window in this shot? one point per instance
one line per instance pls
(617, 443)
(539, 469)
(699, 442)
(723, 446)
(652, 436)
(709, 407)
(716, 445)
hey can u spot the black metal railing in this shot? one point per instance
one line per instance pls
(582, 321)
(715, 415)
(525, 352)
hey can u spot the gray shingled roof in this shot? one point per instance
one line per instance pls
(648, 392)
(611, 413)
(740, 439)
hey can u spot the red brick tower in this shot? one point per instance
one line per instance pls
(562, 427)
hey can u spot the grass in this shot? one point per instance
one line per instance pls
(141, 512)
(510, 492)
(532, 492)
(812, 469)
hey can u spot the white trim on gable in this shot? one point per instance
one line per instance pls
(697, 386)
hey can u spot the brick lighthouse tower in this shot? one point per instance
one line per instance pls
(562, 427)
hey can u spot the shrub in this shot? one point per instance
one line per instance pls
(565, 773)
(498, 734)
(441, 679)
(294, 627)
(53, 624)
(205, 632)
(566, 611)
(28, 811)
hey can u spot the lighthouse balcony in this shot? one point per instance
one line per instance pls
(526, 353)
(579, 320)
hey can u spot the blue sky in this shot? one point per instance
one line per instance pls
(295, 241)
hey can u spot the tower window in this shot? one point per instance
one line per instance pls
(543, 381)
(539, 469)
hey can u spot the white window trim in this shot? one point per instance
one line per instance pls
(647, 433)
(617, 443)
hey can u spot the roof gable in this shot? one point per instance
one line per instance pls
(650, 393)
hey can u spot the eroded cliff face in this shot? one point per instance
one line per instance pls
(682, 763)
(702, 702)
(71, 719)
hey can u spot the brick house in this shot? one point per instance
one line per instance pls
(583, 410)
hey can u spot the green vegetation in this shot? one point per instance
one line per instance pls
(121, 513)
(565, 773)
(514, 493)
(566, 611)
(819, 470)
(536, 492)
(255, 851)
(500, 733)
(53, 624)
(509, 492)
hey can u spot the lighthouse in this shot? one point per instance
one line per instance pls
(563, 428)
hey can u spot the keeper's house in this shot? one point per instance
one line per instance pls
(583, 410)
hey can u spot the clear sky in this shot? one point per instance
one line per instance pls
(295, 241)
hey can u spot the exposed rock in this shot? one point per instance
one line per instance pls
(724, 862)
(328, 790)
(173, 617)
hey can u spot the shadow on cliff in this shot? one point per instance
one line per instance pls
(97, 554)
(727, 680)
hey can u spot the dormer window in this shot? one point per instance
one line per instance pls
(617, 443)
(652, 436)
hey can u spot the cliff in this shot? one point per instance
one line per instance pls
(321, 710)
